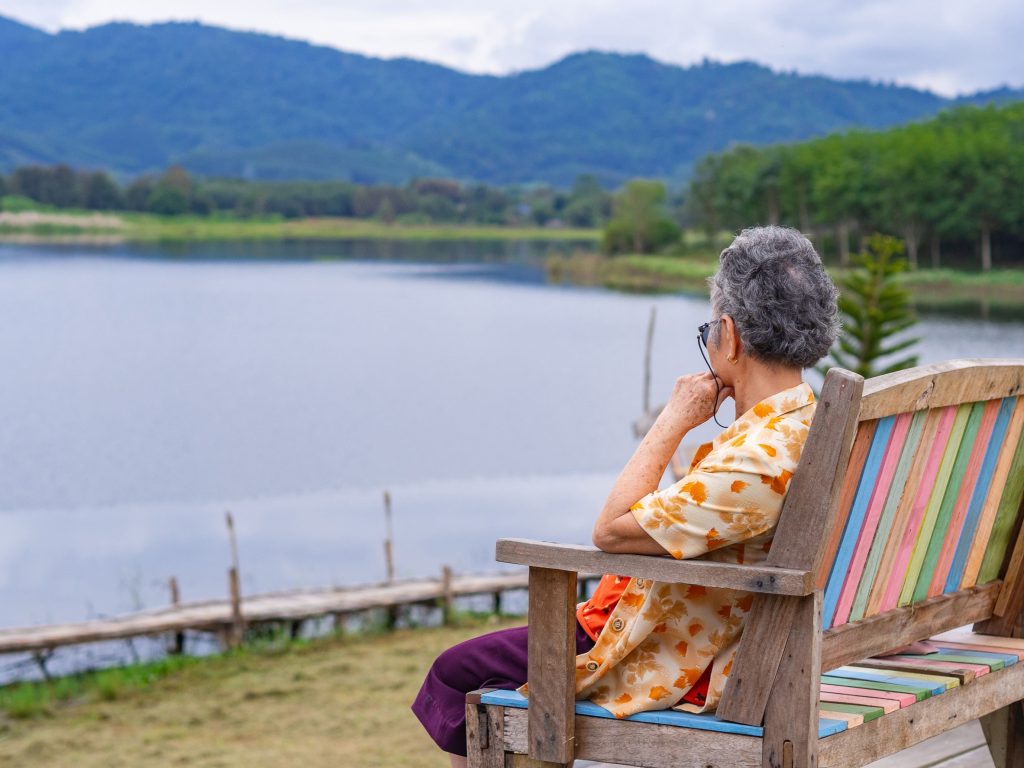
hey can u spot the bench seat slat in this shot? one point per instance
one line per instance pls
(703, 722)
(983, 657)
(889, 705)
(903, 699)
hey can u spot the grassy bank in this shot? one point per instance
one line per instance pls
(999, 289)
(326, 702)
(67, 226)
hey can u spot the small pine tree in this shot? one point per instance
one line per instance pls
(875, 307)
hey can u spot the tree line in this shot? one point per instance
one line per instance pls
(952, 182)
(176, 192)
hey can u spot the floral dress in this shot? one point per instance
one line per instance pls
(660, 638)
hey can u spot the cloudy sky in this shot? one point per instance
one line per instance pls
(950, 46)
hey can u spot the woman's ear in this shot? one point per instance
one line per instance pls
(729, 339)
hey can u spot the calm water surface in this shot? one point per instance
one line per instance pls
(145, 392)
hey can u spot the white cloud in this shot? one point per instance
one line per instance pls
(945, 45)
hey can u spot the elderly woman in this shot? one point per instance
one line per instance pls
(646, 645)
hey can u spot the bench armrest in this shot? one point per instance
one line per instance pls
(706, 573)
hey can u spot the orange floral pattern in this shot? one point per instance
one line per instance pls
(660, 637)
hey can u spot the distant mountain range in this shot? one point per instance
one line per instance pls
(134, 99)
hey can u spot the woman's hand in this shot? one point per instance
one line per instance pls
(692, 401)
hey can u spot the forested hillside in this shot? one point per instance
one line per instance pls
(134, 99)
(955, 178)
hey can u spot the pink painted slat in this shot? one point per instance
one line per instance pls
(990, 647)
(868, 701)
(904, 699)
(867, 533)
(922, 661)
(963, 499)
(924, 491)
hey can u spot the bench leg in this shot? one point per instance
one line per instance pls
(1004, 732)
(485, 737)
(791, 719)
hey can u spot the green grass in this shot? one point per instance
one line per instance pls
(999, 288)
(142, 227)
(22, 701)
(336, 700)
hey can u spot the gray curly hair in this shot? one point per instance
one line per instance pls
(772, 283)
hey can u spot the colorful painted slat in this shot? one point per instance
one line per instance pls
(961, 656)
(994, 659)
(946, 546)
(967, 648)
(903, 699)
(868, 713)
(930, 541)
(907, 536)
(946, 681)
(962, 638)
(867, 489)
(990, 508)
(703, 722)
(882, 533)
(858, 455)
(1000, 432)
(902, 512)
(917, 691)
(883, 483)
(933, 689)
(934, 506)
(887, 705)
(1006, 519)
(850, 719)
(964, 670)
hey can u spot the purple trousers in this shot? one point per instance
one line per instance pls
(495, 660)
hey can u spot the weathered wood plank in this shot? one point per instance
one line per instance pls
(940, 384)
(550, 671)
(646, 744)
(799, 543)
(939, 750)
(923, 720)
(212, 615)
(575, 557)
(791, 716)
(901, 626)
(485, 744)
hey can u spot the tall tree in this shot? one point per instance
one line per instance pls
(875, 308)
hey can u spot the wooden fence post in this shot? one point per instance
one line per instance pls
(446, 595)
(237, 630)
(389, 557)
(178, 638)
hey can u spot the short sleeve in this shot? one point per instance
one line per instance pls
(738, 499)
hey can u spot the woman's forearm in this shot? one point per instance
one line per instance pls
(692, 402)
(643, 472)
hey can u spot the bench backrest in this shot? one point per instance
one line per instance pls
(908, 488)
(930, 498)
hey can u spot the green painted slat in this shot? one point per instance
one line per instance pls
(966, 657)
(919, 693)
(867, 579)
(1003, 527)
(870, 713)
(959, 469)
(931, 512)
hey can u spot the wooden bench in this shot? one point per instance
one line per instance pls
(902, 523)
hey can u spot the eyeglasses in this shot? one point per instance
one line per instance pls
(702, 336)
(705, 329)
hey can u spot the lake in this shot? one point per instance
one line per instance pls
(145, 391)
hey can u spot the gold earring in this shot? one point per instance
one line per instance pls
(733, 359)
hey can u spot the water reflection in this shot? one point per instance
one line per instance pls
(146, 390)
